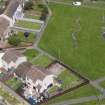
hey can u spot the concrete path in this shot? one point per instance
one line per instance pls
(45, 53)
(36, 57)
(97, 86)
(100, 80)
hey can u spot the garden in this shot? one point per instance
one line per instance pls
(21, 39)
(35, 10)
(66, 80)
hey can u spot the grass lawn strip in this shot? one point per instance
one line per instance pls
(27, 24)
(83, 53)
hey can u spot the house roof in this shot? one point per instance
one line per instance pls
(11, 55)
(26, 69)
(4, 24)
(11, 8)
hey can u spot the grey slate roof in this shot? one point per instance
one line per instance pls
(11, 8)
(4, 24)
(26, 69)
(11, 55)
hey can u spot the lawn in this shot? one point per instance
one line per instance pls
(27, 24)
(14, 83)
(42, 61)
(87, 90)
(69, 79)
(31, 53)
(74, 35)
(29, 39)
(23, 41)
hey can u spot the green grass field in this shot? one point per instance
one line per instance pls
(74, 35)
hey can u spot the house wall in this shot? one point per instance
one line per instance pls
(19, 12)
(20, 60)
(48, 80)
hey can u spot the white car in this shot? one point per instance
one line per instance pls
(77, 3)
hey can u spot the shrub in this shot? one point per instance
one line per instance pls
(28, 5)
(14, 40)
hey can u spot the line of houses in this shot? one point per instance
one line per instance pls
(37, 79)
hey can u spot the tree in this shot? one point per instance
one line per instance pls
(14, 40)
(26, 34)
(44, 12)
(28, 5)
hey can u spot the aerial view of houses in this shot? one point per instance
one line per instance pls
(52, 52)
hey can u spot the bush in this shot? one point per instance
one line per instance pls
(44, 12)
(28, 5)
(14, 40)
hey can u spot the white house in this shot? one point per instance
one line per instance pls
(35, 77)
(12, 59)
